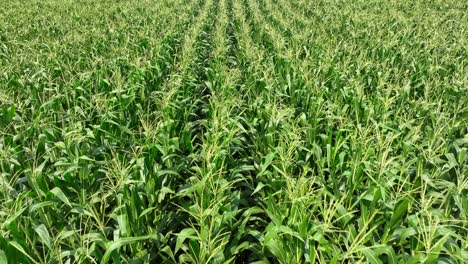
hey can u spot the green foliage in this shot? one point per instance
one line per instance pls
(233, 131)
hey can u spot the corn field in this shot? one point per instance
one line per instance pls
(233, 131)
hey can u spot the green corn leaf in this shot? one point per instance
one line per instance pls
(114, 245)
(21, 249)
(400, 210)
(182, 236)
(60, 195)
(41, 230)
